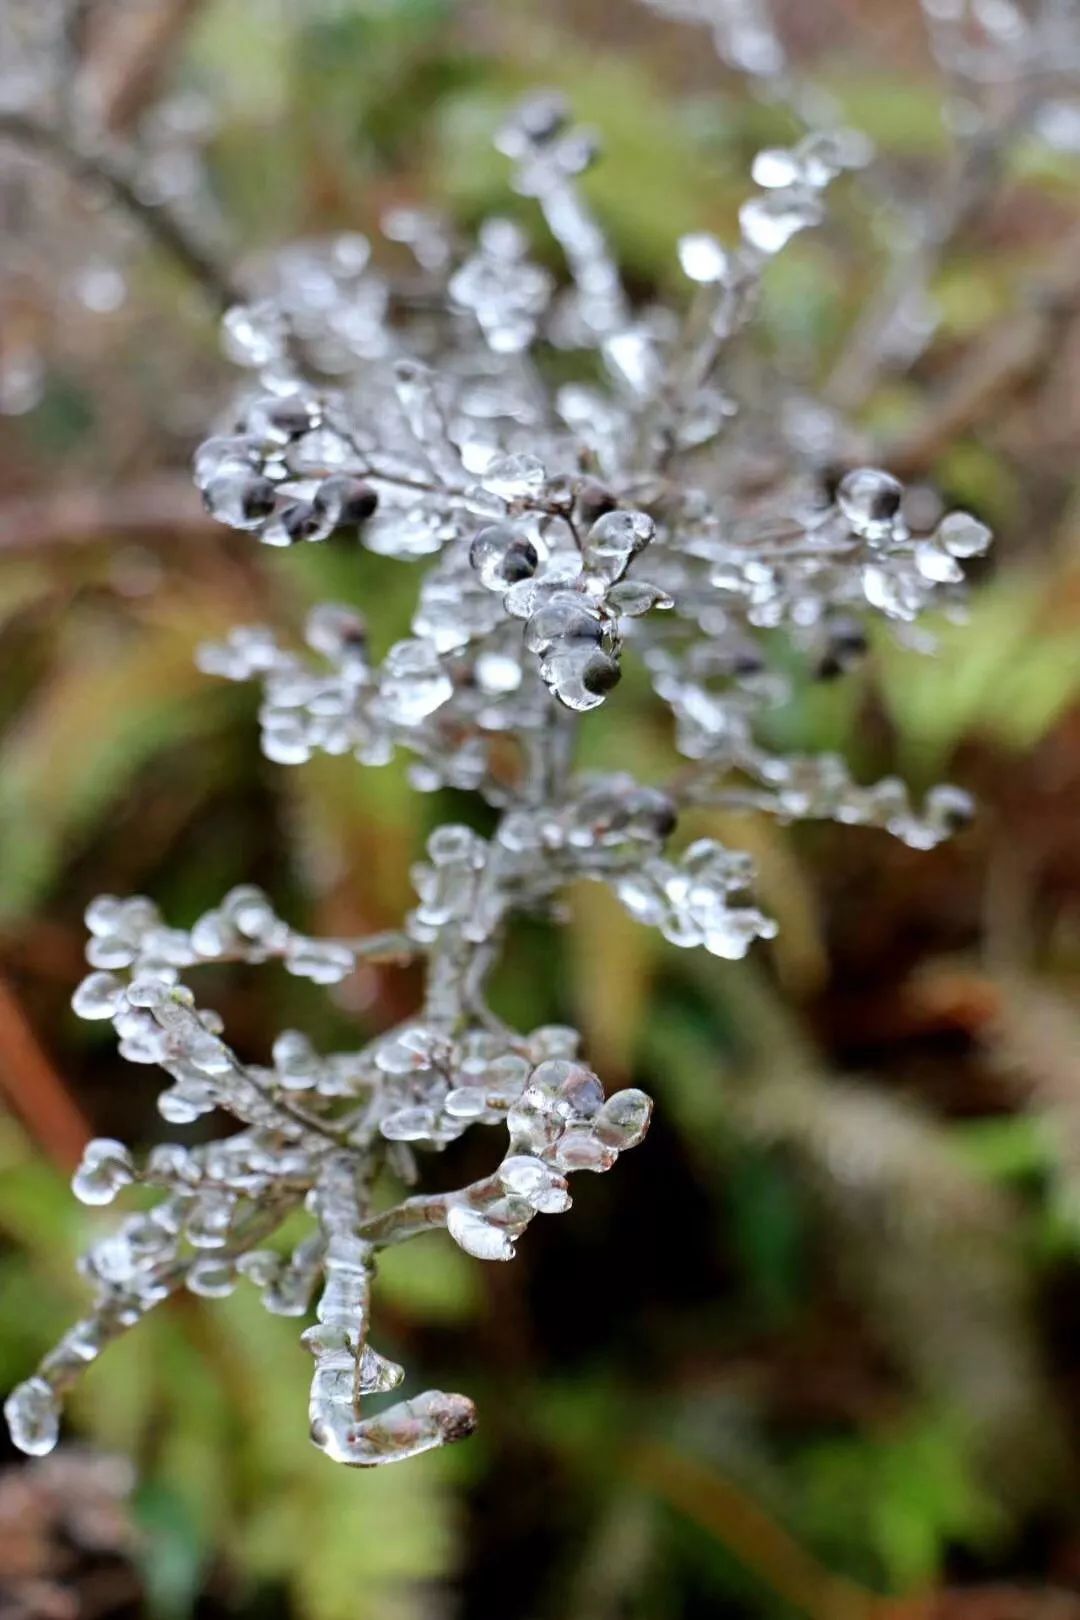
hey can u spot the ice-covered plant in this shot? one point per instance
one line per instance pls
(581, 490)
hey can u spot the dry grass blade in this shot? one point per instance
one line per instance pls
(34, 1089)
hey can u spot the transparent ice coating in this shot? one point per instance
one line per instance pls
(630, 514)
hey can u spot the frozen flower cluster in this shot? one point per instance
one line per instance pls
(580, 492)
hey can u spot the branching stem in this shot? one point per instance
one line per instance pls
(110, 169)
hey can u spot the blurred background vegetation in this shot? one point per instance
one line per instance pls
(814, 1349)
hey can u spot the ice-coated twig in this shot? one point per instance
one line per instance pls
(570, 518)
(347, 1369)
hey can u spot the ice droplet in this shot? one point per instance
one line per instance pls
(33, 1417)
(624, 1119)
(413, 684)
(105, 1168)
(870, 500)
(962, 535)
(702, 258)
(402, 1431)
(769, 222)
(775, 167)
(477, 1236)
(98, 996)
(613, 540)
(502, 556)
(514, 477)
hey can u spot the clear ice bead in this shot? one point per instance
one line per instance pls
(962, 535)
(241, 500)
(413, 683)
(770, 221)
(870, 501)
(33, 1417)
(98, 996)
(502, 556)
(613, 541)
(105, 1168)
(514, 477)
(623, 1120)
(703, 259)
(477, 1236)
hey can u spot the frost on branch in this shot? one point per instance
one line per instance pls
(631, 510)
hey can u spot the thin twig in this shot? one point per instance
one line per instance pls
(909, 270)
(109, 169)
(998, 368)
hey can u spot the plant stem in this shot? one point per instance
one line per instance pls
(110, 169)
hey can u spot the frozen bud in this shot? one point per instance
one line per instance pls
(893, 592)
(623, 1120)
(466, 1102)
(962, 535)
(613, 540)
(579, 150)
(775, 167)
(502, 556)
(253, 334)
(543, 116)
(260, 1266)
(413, 683)
(168, 1162)
(345, 502)
(949, 808)
(600, 673)
(533, 1123)
(105, 1167)
(570, 1088)
(248, 910)
(183, 1103)
(935, 564)
(580, 1148)
(579, 675)
(530, 1178)
(826, 153)
(630, 598)
(415, 1124)
(652, 812)
(295, 1060)
(335, 631)
(98, 996)
(870, 501)
(404, 1430)
(241, 500)
(277, 420)
(212, 1278)
(702, 258)
(565, 618)
(105, 914)
(295, 521)
(150, 993)
(451, 844)
(769, 222)
(514, 477)
(33, 1417)
(220, 456)
(479, 1237)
